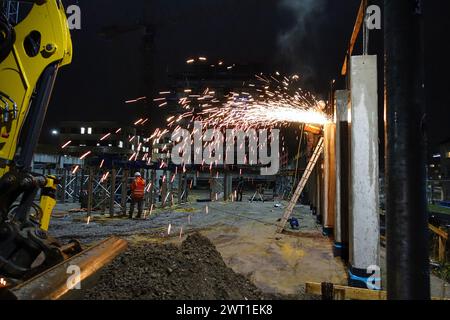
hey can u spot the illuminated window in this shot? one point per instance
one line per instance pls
(83, 130)
(120, 144)
(89, 130)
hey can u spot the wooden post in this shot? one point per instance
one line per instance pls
(112, 192)
(164, 190)
(185, 188)
(152, 189)
(82, 186)
(330, 179)
(90, 191)
(64, 186)
(124, 191)
(442, 244)
(180, 188)
(75, 193)
(104, 186)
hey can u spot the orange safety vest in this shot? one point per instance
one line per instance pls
(138, 188)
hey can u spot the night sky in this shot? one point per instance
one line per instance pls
(308, 37)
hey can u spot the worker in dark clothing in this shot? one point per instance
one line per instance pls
(240, 189)
(137, 195)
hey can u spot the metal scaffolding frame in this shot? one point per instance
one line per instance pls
(101, 189)
(11, 9)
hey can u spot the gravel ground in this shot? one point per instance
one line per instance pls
(193, 271)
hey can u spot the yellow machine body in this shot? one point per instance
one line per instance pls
(48, 202)
(20, 73)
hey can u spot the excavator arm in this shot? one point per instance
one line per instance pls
(31, 54)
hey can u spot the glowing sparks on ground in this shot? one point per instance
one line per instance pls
(169, 229)
(88, 220)
(3, 283)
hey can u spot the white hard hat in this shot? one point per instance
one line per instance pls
(137, 174)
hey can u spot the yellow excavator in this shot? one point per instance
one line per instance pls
(31, 54)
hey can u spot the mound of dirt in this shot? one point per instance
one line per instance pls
(194, 271)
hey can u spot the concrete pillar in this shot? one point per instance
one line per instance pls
(342, 172)
(329, 179)
(364, 200)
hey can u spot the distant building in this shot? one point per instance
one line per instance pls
(101, 138)
(445, 169)
(47, 160)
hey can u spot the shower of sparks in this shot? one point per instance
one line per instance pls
(267, 102)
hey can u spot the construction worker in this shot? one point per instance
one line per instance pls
(137, 195)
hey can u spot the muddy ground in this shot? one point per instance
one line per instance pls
(193, 271)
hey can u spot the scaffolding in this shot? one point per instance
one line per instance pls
(107, 190)
(11, 9)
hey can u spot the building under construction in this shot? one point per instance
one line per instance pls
(181, 200)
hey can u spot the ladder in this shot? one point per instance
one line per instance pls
(312, 163)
